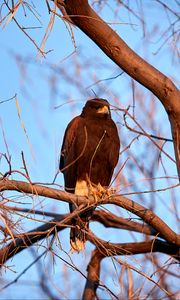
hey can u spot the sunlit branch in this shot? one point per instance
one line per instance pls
(145, 214)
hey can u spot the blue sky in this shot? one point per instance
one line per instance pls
(43, 85)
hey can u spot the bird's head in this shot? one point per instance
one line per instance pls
(96, 108)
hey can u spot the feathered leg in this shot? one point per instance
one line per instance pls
(80, 226)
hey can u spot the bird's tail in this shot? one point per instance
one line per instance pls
(78, 234)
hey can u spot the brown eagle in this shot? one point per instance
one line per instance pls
(89, 154)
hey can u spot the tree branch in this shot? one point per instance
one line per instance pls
(145, 214)
(154, 245)
(110, 220)
(157, 226)
(28, 239)
(105, 249)
(106, 218)
(93, 274)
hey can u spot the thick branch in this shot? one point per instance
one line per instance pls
(155, 245)
(145, 214)
(110, 220)
(93, 274)
(113, 46)
(105, 249)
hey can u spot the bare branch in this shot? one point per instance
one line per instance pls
(105, 249)
(108, 219)
(154, 245)
(145, 214)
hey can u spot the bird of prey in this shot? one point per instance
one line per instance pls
(89, 154)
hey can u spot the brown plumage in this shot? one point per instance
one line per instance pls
(89, 154)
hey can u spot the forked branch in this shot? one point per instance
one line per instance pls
(157, 227)
(144, 213)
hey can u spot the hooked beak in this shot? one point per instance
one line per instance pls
(103, 110)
